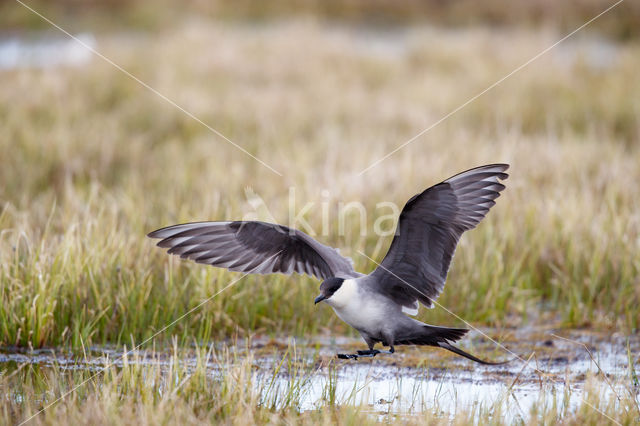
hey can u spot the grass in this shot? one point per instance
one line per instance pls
(92, 161)
(620, 22)
(197, 385)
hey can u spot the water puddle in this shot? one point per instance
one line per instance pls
(554, 375)
(412, 381)
(45, 52)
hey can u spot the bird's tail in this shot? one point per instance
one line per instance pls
(441, 337)
(455, 350)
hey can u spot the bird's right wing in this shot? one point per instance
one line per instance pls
(254, 247)
(430, 225)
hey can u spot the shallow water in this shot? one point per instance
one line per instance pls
(52, 49)
(555, 374)
(45, 51)
(411, 381)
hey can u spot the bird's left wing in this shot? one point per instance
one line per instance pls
(430, 225)
(254, 247)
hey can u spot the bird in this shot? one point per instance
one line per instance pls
(379, 305)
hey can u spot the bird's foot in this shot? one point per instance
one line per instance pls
(363, 354)
(348, 356)
(369, 353)
(374, 352)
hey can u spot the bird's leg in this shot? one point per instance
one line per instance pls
(388, 341)
(348, 356)
(360, 354)
(370, 353)
(374, 352)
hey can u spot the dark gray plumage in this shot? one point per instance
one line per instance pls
(413, 271)
(430, 225)
(255, 247)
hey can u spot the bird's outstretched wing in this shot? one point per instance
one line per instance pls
(430, 225)
(254, 247)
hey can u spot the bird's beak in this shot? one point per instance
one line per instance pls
(319, 299)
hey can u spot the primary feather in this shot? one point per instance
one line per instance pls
(255, 247)
(430, 225)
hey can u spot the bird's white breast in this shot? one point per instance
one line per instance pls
(355, 307)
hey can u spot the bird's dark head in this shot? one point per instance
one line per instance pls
(328, 288)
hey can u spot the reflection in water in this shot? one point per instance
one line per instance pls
(386, 384)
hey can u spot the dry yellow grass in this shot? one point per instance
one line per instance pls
(92, 161)
(199, 385)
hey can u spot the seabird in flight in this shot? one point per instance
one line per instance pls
(413, 271)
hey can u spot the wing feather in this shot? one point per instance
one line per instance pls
(416, 266)
(256, 247)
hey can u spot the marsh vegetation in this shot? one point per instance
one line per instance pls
(92, 161)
